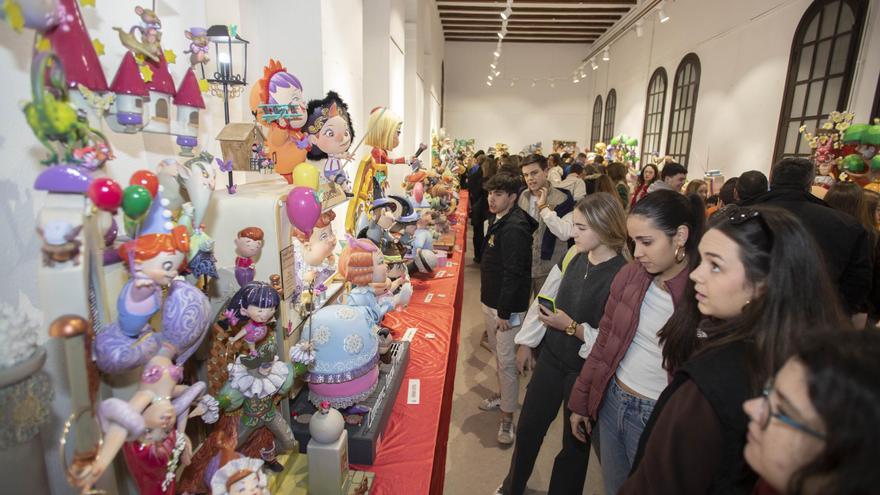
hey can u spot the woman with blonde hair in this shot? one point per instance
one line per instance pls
(565, 327)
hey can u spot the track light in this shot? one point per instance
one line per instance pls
(661, 13)
(639, 30)
(497, 53)
(488, 83)
(490, 77)
(493, 66)
(552, 84)
(605, 55)
(534, 83)
(593, 64)
(512, 83)
(506, 13)
(500, 35)
(583, 74)
(575, 80)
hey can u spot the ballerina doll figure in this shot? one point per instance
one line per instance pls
(330, 133)
(256, 302)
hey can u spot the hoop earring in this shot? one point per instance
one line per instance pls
(679, 254)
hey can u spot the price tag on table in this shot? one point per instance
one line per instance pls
(413, 391)
(410, 333)
(429, 297)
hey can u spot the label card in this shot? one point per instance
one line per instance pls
(413, 391)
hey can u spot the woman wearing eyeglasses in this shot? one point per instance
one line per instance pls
(814, 429)
(759, 289)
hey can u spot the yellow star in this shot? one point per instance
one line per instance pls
(170, 56)
(139, 57)
(12, 12)
(203, 85)
(99, 47)
(87, 3)
(43, 45)
(146, 73)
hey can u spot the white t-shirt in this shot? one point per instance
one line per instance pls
(642, 366)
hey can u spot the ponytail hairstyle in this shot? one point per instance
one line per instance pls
(607, 219)
(669, 210)
(794, 296)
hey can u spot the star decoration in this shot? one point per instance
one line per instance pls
(146, 73)
(139, 57)
(170, 56)
(203, 85)
(87, 3)
(12, 12)
(99, 47)
(43, 45)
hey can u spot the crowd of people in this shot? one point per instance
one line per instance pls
(722, 343)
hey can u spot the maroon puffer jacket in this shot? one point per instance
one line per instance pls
(616, 332)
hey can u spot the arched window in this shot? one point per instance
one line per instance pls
(685, 87)
(652, 130)
(820, 70)
(610, 107)
(161, 108)
(596, 133)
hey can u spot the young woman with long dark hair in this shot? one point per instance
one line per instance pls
(759, 289)
(649, 174)
(623, 375)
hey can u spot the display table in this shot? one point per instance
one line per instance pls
(411, 457)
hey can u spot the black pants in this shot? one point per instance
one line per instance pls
(477, 221)
(549, 388)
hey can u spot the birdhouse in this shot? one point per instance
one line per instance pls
(237, 140)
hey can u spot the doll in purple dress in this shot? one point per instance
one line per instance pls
(248, 245)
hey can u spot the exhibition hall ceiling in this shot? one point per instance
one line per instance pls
(533, 21)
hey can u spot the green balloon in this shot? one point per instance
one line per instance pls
(632, 142)
(853, 133)
(615, 141)
(872, 135)
(854, 163)
(875, 163)
(136, 201)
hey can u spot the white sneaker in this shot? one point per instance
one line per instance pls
(490, 403)
(506, 432)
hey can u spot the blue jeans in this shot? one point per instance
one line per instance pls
(622, 418)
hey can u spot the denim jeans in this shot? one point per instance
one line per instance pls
(622, 418)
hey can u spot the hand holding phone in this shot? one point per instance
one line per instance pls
(547, 303)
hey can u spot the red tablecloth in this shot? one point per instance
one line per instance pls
(411, 457)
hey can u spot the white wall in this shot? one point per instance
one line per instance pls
(519, 115)
(744, 49)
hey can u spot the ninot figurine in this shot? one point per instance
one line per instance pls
(314, 262)
(330, 135)
(230, 473)
(341, 339)
(256, 302)
(248, 245)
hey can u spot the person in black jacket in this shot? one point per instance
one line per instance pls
(845, 244)
(505, 284)
(477, 203)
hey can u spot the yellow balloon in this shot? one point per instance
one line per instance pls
(306, 175)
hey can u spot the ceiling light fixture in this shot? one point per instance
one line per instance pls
(605, 55)
(493, 66)
(501, 35)
(661, 13)
(506, 13)
(593, 64)
(490, 77)
(552, 84)
(512, 83)
(576, 80)
(534, 83)
(488, 83)
(497, 73)
(497, 53)
(639, 30)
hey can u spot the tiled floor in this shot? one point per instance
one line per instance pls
(475, 464)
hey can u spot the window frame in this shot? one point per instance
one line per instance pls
(693, 61)
(816, 11)
(608, 122)
(659, 72)
(596, 125)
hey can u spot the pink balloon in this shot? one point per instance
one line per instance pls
(303, 209)
(419, 192)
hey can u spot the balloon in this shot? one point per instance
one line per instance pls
(615, 141)
(303, 209)
(305, 175)
(147, 179)
(632, 142)
(854, 163)
(418, 192)
(105, 193)
(136, 201)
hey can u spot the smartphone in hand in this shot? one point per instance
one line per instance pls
(547, 303)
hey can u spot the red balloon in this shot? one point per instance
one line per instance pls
(147, 179)
(105, 193)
